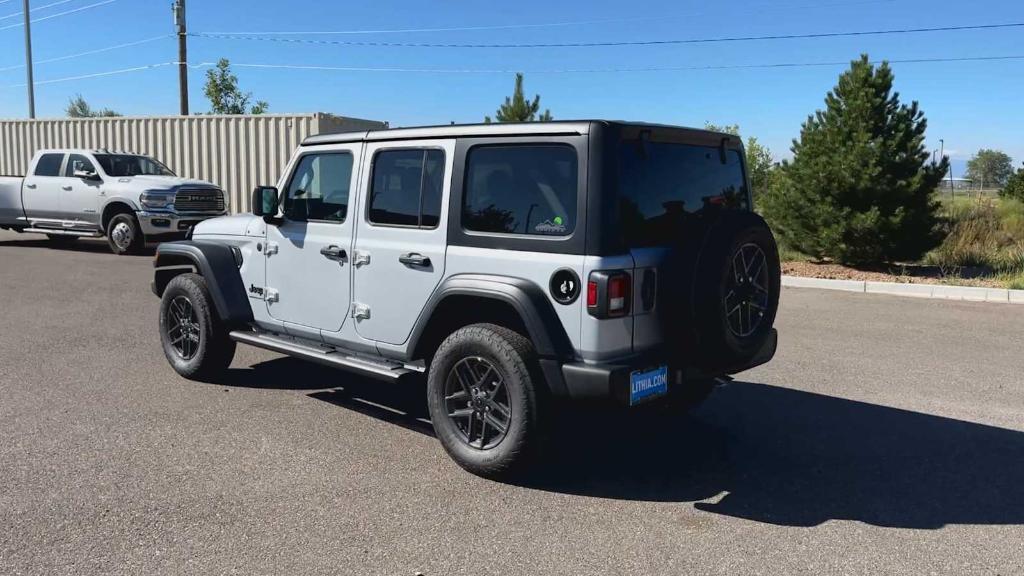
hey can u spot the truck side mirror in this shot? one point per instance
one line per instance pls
(86, 175)
(264, 201)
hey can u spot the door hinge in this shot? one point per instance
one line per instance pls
(272, 295)
(360, 311)
(360, 257)
(271, 248)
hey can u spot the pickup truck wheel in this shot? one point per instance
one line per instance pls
(123, 235)
(484, 397)
(194, 339)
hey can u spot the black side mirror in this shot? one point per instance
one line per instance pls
(264, 201)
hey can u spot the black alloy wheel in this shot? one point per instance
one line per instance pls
(477, 402)
(747, 291)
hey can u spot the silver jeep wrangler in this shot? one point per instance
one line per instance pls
(510, 265)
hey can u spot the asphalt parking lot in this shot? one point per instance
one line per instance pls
(886, 437)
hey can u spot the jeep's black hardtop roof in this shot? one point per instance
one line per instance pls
(557, 128)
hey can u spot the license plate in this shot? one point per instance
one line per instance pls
(647, 384)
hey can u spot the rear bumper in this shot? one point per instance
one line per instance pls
(611, 381)
(168, 226)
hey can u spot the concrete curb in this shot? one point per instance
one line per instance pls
(941, 291)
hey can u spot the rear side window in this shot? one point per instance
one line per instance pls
(77, 162)
(319, 188)
(49, 165)
(521, 189)
(407, 186)
(662, 185)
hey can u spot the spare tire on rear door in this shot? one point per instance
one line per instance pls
(719, 291)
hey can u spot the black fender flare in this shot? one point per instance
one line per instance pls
(527, 298)
(217, 264)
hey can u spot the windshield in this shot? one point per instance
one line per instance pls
(131, 165)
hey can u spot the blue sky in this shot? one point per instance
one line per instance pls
(968, 104)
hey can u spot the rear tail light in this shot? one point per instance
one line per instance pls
(608, 294)
(618, 294)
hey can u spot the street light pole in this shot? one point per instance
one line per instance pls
(179, 23)
(28, 63)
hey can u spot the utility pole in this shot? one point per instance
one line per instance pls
(179, 23)
(28, 63)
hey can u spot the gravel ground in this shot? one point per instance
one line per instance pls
(887, 437)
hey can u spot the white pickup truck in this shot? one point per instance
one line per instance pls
(129, 198)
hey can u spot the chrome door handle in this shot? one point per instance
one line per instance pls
(334, 252)
(31, 186)
(414, 259)
(66, 188)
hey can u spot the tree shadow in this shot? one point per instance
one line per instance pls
(753, 451)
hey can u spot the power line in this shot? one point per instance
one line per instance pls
(59, 14)
(37, 8)
(90, 52)
(611, 70)
(99, 74)
(543, 24)
(618, 43)
(537, 71)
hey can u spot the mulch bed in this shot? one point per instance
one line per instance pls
(904, 273)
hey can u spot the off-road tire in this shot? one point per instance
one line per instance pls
(514, 358)
(132, 241)
(214, 350)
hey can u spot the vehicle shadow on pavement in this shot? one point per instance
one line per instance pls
(753, 451)
(796, 458)
(404, 404)
(94, 245)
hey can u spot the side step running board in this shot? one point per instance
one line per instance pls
(62, 232)
(328, 356)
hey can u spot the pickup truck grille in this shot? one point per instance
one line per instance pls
(199, 200)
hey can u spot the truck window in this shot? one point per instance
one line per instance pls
(123, 165)
(407, 187)
(662, 185)
(49, 165)
(77, 162)
(319, 188)
(521, 189)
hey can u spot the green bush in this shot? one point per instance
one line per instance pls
(1014, 189)
(860, 186)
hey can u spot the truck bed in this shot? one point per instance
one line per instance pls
(10, 201)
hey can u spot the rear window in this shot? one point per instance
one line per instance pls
(49, 165)
(662, 185)
(521, 189)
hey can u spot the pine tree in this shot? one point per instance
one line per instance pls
(517, 109)
(860, 186)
